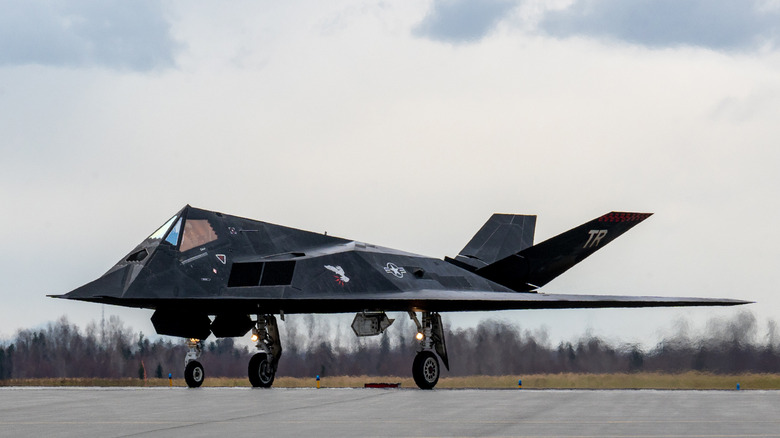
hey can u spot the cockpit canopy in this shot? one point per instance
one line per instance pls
(197, 232)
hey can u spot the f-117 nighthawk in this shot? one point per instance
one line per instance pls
(205, 272)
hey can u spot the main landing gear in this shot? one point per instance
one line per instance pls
(430, 334)
(262, 366)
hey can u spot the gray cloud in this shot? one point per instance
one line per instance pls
(718, 25)
(131, 35)
(461, 21)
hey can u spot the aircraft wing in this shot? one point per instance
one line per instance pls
(436, 300)
(291, 300)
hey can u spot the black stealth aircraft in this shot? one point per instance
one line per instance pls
(205, 272)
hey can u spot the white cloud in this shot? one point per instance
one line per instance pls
(717, 25)
(463, 21)
(126, 35)
(723, 25)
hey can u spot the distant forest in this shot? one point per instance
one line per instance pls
(109, 349)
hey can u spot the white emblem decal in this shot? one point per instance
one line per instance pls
(341, 278)
(391, 268)
(594, 238)
(222, 258)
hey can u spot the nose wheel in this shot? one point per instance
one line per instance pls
(194, 374)
(426, 370)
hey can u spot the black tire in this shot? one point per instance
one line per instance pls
(261, 371)
(426, 370)
(194, 374)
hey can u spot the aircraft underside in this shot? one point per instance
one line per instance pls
(197, 319)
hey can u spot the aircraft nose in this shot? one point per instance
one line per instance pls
(109, 285)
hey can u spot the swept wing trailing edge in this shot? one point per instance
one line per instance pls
(206, 273)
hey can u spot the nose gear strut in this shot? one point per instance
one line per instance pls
(193, 370)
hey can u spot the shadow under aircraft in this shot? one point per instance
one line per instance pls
(205, 272)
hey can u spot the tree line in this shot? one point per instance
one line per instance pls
(312, 346)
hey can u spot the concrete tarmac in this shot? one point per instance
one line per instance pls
(233, 412)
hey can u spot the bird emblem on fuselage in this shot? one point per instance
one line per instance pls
(340, 276)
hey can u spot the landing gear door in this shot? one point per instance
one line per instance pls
(437, 332)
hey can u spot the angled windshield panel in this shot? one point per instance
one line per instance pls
(173, 236)
(163, 229)
(197, 232)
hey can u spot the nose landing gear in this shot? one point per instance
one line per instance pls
(194, 374)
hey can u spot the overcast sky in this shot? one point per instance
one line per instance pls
(404, 124)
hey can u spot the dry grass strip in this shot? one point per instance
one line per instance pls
(688, 380)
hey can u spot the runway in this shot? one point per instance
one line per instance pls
(232, 412)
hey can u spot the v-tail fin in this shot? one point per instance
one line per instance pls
(501, 236)
(539, 264)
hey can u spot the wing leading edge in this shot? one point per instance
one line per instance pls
(466, 301)
(288, 301)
